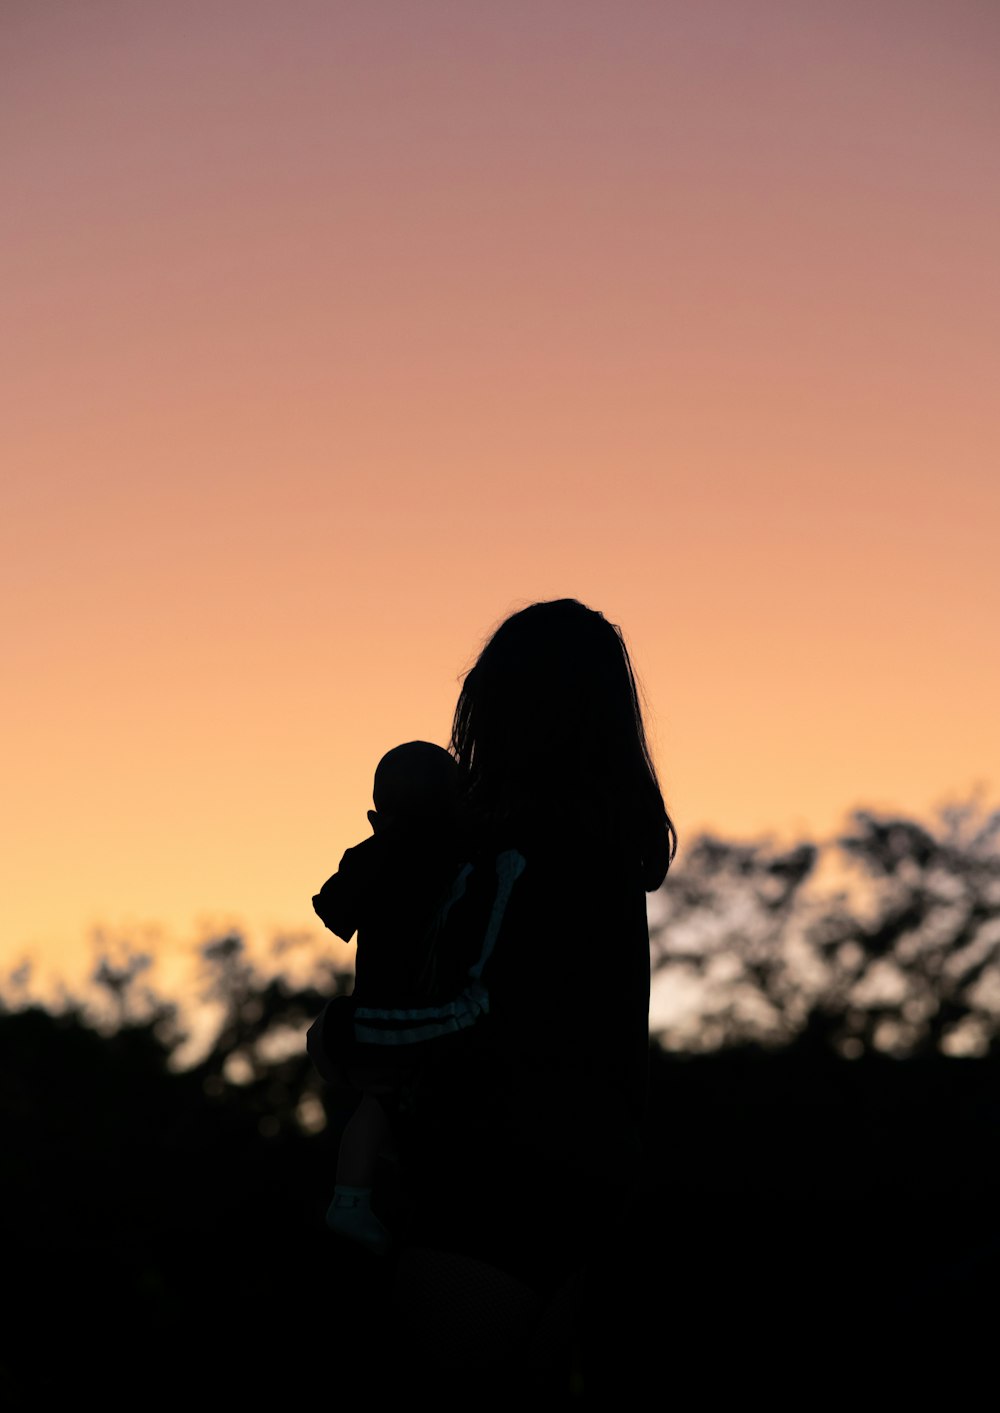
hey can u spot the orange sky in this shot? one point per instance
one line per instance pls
(335, 333)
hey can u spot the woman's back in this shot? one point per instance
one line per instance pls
(520, 1142)
(505, 1122)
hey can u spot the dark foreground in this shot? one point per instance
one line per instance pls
(808, 1226)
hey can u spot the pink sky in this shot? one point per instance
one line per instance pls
(335, 333)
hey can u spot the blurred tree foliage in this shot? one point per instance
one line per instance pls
(915, 970)
(823, 1139)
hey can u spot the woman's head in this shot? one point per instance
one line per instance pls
(549, 722)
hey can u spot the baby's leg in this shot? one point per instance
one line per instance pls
(350, 1214)
(364, 1134)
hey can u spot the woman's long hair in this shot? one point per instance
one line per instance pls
(548, 727)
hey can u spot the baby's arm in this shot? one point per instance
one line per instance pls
(334, 909)
(341, 900)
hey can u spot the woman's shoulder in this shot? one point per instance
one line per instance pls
(560, 854)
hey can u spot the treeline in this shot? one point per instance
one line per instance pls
(820, 1179)
(906, 963)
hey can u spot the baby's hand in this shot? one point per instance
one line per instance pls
(375, 820)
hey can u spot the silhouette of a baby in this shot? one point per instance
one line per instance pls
(389, 889)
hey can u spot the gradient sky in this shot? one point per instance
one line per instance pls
(335, 332)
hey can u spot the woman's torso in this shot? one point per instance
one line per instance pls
(508, 1132)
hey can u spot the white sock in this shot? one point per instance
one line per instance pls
(358, 1199)
(350, 1214)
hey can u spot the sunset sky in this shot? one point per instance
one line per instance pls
(333, 333)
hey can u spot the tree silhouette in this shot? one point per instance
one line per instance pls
(158, 1216)
(911, 967)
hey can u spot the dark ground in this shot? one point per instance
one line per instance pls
(807, 1224)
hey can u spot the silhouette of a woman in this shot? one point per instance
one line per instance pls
(522, 1142)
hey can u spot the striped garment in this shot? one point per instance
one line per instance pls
(375, 1025)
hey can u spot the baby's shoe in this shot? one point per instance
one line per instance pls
(350, 1215)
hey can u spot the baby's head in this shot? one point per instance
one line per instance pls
(415, 781)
